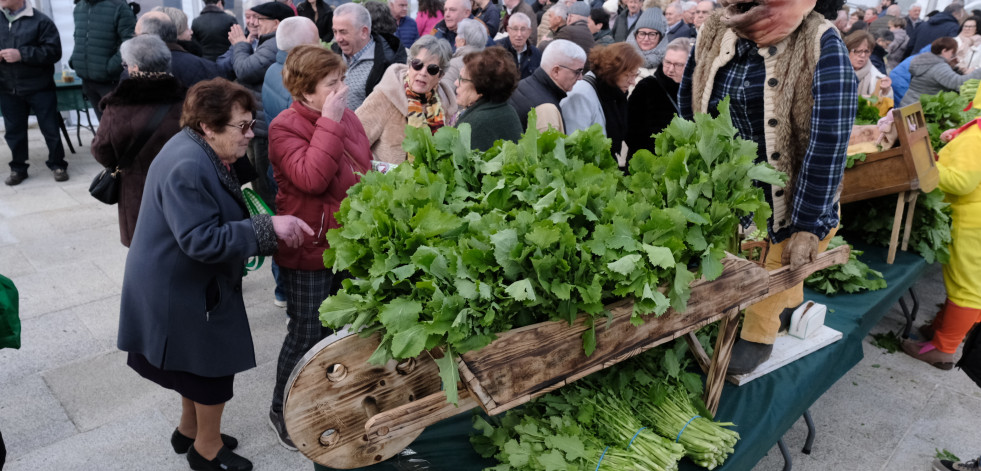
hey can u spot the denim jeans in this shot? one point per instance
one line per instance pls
(15, 110)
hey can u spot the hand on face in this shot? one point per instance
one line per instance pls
(335, 103)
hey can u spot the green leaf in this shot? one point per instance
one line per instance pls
(410, 342)
(659, 256)
(449, 374)
(589, 338)
(338, 310)
(626, 265)
(521, 290)
(400, 314)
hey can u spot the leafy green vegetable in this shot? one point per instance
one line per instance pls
(946, 454)
(969, 89)
(860, 157)
(888, 341)
(852, 277)
(461, 245)
(872, 219)
(867, 113)
(944, 111)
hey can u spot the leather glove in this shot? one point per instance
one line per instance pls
(800, 249)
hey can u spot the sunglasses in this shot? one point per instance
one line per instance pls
(244, 127)
(431, 69)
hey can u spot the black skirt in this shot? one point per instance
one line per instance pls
(200, 389)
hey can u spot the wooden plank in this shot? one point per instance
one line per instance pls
(697, 351)
(412, 418)
(911, 208)
(531, 361)
(897, 221)
(788, 349)
(785, 278)
(720, 360)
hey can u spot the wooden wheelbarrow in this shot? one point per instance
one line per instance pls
(343, 412)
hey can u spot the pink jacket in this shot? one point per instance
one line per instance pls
(426, 23)
(315, 160)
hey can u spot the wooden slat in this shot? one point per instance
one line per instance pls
(715, 379)
(531, 361)
(410, 419)
(698, 352)
(785, 278)
(910, 210)
(897, 222)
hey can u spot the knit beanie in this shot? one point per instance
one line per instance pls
(579, 8)
(652, 18)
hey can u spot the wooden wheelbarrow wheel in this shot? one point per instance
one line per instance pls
(333, 391)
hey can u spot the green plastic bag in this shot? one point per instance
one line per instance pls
(256, 206)
(9, 314)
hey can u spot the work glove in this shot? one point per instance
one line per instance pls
(802, 248)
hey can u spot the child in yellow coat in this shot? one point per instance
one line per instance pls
(959, 165)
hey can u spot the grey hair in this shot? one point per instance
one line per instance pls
(161, 27)
(146, 51)
(177, 16)
(560, 9)
(679, 44)
(474, 33)
(894, 10)
(675, 6)
(561, 50)
(467, 4)
(358, 13)
(434, 46)
(521, 18)
(295, 31)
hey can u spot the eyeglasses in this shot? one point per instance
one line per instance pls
(461, 79)
(522, 29)
(244, 127)
(673, 65)
(648, 35)
(861, 52)
(578, 71)
(431, 69)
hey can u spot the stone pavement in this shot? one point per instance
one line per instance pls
(68, 402)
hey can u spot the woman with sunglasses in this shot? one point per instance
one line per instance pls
(601, 96)
(487, 80)
(408, 95)
(317, 149)
(128, 135)
(182, 318)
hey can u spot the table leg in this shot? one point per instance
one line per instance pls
(811, 431)
(788, 461)
(64, 132)
(909, 313)
(720, 359)
(78, 127)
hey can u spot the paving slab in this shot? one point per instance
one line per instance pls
(47, 341)
(948, 421)
(14, 262)
(59, 288)
(31, 417)
(33, 196)
(101, 318)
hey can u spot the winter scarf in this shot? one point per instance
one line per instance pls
(424, 109)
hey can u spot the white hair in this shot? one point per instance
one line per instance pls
(560, 10)
(473, 32)
(296, 31)
(358, 14)
(676, 6)
(685, 6)
(894, 10)
(561, 50)
(466, 4)
(520, 18)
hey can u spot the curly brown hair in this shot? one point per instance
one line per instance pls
(306, 66)
(211, 102)
(610, 62)
(493, 73)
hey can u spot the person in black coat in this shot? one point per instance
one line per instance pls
(29, 48)
(186, 67)
(211, 27)
(562, 66)
(519, 33)
(321, 14)
(944, 24)
(654, 101)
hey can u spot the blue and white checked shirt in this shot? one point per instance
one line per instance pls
(835, 88)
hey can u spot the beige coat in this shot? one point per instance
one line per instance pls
(384, 114)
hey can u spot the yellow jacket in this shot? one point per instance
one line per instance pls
(960, 178)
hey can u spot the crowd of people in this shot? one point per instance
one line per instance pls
(318, 93)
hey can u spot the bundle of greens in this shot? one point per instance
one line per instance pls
(871, 220)
(852, 277)
(867, 113)
(461, 244)
(639, 414)
(944, 111)
(969, 89)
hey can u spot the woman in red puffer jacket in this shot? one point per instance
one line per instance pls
(317, 148)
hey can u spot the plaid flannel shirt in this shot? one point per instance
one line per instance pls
(835, 88)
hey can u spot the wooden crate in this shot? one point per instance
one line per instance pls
(904, 170)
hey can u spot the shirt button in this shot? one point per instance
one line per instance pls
(772, 50)
(772, 122)
(746, 83)
(772, 82)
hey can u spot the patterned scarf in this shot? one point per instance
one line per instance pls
(424, 108)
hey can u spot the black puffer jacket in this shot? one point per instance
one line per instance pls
(211, 31)
(325, 22)
(36, 37)
(533, 91)
(100, 27)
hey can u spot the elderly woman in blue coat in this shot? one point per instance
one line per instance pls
(182, 317)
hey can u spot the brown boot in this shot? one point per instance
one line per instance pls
(936, 358)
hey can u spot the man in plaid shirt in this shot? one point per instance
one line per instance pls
(792, 90)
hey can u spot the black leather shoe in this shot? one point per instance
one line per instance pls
(60, 175)
(15, 178)
(746, 356)
(226, 460)
(181, 443)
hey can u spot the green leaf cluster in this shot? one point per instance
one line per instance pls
(944, 111)
(626, 417)
(852, 277)
(867, 113)
(872, 219)
(969, 89)
(461, 245)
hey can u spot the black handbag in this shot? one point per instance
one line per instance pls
(105, 185)
(970, 361)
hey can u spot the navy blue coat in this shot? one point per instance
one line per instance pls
(182, 304)
(937, 26)
(530, 60)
